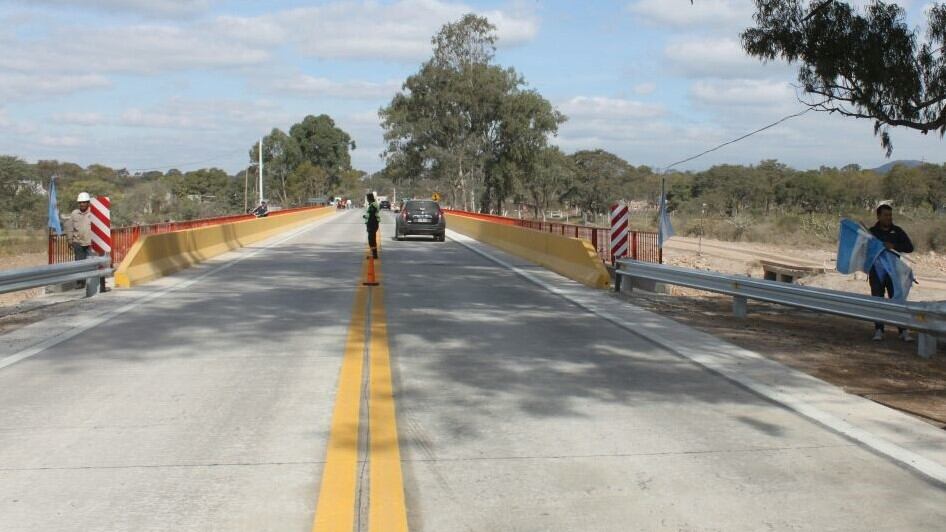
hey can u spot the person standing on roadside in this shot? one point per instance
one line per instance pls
(372, 223)
(80, 233)
(261, 210)
(894, 239)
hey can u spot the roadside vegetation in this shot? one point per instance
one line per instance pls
(475, 132)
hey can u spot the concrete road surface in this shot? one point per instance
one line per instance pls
(208, 407)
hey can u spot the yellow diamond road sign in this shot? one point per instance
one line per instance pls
(435, 197)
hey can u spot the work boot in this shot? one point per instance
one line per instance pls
(878, 335)
(905, 336)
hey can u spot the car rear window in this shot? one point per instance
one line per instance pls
(429, 206)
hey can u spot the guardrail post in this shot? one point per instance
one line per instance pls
(740, 306)
(926, 345)
(91, 286)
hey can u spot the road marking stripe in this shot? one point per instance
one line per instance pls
(335, 510)
(387, 511)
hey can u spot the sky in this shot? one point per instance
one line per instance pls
(186, 84)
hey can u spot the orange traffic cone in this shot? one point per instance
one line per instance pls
(371, 281)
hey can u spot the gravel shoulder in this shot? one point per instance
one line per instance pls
(835, 349)
(13, 262)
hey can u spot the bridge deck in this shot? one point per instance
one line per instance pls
(208, 407)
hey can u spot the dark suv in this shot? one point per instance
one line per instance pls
(385, 204)
(421, 217)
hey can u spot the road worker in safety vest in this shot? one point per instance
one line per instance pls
(372, 223)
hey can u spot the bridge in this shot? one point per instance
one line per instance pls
(269, 389)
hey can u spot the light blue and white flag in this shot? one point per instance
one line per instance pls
(860, 251)
(663, 220)
(54, 223)
(857, 248)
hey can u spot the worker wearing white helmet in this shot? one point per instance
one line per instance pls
(80, 226)
(79, 229)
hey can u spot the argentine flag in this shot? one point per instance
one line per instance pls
(859, 251)
(53, 210)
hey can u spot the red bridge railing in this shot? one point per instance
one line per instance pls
(643, 244)
(124, 237)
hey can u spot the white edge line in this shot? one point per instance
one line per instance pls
(928, 468)
(90, 323)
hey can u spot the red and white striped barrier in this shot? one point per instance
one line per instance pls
(618, 231)
(101, 225)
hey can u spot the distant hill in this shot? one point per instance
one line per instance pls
(885, 169)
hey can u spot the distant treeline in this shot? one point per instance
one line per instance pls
(774, 187)
(295, 171)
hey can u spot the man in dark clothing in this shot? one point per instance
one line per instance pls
(895, 239)
(372, 223)
(261, 210)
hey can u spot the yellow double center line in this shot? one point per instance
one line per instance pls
(338, 494)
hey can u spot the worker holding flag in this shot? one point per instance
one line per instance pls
(875, 251)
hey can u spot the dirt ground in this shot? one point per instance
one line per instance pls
(20, 261)
(835, 349)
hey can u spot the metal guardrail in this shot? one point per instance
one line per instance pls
(81, 270)
(927, 318)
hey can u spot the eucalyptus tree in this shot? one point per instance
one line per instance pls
(862, 63)
(465, 121)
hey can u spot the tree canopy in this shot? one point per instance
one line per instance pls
(865, 63)
(312, 160)
(465, 122)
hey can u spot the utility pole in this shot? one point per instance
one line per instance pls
(246, 186)
(261, 170)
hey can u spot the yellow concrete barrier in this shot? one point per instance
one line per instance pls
(155, 256)
(571, 257)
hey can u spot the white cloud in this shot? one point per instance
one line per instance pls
(399, 30)
(33, 86)
(717, 15)
(611, 109)
(165, 8)
(79, 119)
(314, 86)
(54, 141)
(61, 59)
(206, 115)
(139, 118)
(141, 49)
(804, 142)
(743, 92)
(720, 58)
(365, 118)
(599, 122)
(643, 89)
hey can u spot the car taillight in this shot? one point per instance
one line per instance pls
(404, 215)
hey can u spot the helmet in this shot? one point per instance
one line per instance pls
(84, 196)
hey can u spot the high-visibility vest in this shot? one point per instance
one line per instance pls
(374, 211)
